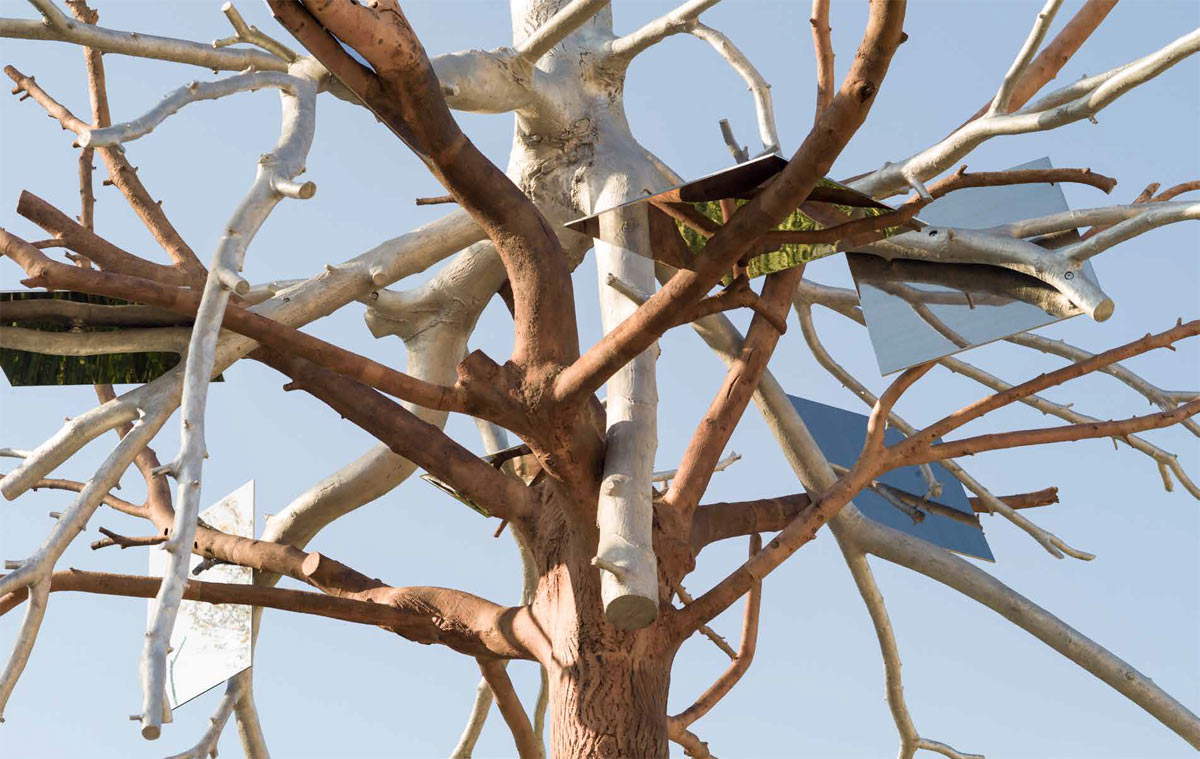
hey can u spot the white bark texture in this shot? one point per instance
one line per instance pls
(561, 129)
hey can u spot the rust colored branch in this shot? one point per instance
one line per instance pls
(113, 539)
(721, 521)
(1037, 498)
(405, 94)
(528, 746)
(745, 655)
(123, 506)
(44, 272)
(712, 434)
(101, 117)
(122, 175)
(925, 437)
(420, 442)
(837, 124)
(1020, 438)
(738, 295)
(823, 51)
(345, 609)
(87, 243)
(435, 200)
(1055, 55)
(1178, 189)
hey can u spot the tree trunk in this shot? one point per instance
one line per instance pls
(609, 703)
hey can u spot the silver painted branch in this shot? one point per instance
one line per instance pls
(678, 21)
(252, 35)
(1073, 103)
(910, 739)
(59, 27)
(1034, 41)
(625, 512)
(298, 95)
(35, 611)
(764, 108)
(192, 92)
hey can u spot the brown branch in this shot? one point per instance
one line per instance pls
(70, 312)
(1055, 55)
(837, 124)
(435, 200)
(119, 504)
(708, 441)
(121, 174)
(918, 448)
(691, 743)
(44, 272)
(721, 521)
(1178, 189)
(345, 609)
(1020, 438)
(745, 655)
(528, 746)
(823, 51)
(420, 442)
(405, 94)
(113, 539)
(925, 437)
(737, 295)
(101, 117)
(87, 243)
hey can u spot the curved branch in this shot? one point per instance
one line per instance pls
(759, 88)
(497, 679)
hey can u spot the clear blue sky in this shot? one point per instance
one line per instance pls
(328, 689)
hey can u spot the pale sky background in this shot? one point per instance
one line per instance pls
(327, 689)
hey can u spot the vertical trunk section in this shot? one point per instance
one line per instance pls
(610, 705)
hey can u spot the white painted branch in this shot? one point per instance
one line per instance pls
(484, 81)
(72, 436)
(1024, 56)
(35, 611)
(252, 35)
(895, 177)
(65, 29)
(953, 245)
(254, 744)
(207, 746)
(625, 512)
(298, 94)
(759, 87)
(667, 475)
(569, 18)
(678, 21)
(1152, 217)
(160, 339)
(910, 739)
(480, 706)
(14, 453)
(1089, 217)
(34, 572)
(976, 584)
(192, 92)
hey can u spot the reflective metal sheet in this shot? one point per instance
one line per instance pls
(211, 642)
(66, 311)
(841, 435)
(683, 217)
(919, 311)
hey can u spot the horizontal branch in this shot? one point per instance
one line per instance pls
(58, 27)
